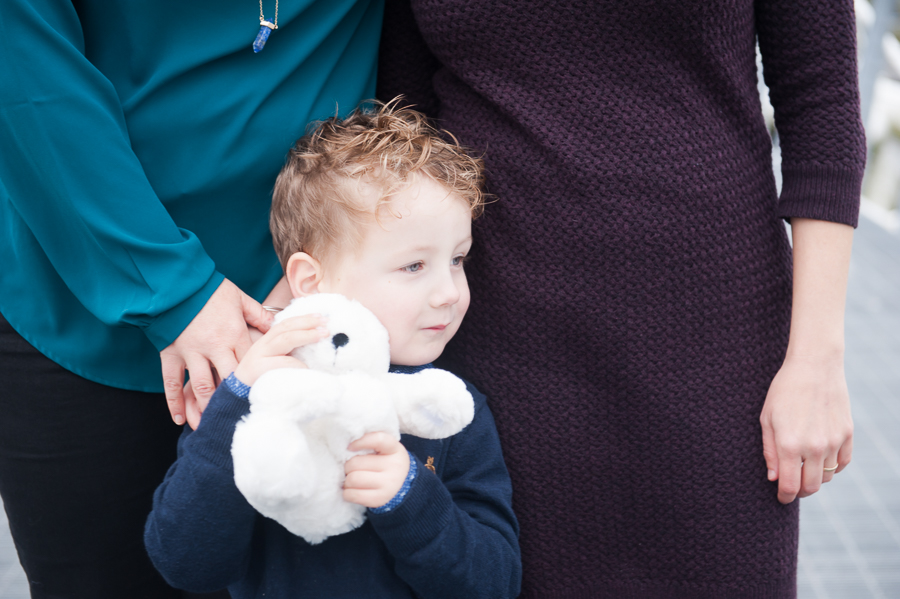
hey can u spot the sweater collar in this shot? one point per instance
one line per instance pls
(409, 369)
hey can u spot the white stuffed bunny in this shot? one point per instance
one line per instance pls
(289, 452)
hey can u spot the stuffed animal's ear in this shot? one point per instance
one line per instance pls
(303, 273)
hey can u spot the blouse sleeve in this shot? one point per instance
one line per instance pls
(810, 66)
(69, 171)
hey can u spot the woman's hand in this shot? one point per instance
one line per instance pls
(806, 425)
(211, 346)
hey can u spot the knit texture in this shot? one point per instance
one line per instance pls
(631, 285)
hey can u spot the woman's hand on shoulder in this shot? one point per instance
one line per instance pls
(806, 424)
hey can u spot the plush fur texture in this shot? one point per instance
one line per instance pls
(289, 452)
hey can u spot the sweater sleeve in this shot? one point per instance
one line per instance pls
(69, 170)
(809, 64)
(405, 64)
(200, 531)
(458, 537)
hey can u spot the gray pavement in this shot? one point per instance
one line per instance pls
(849, 532)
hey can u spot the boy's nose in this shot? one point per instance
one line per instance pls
(447, 292)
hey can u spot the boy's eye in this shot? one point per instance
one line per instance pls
(458, 260)
(416, 267)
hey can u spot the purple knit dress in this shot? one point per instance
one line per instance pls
(632, 283)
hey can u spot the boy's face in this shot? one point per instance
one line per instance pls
(409, 270)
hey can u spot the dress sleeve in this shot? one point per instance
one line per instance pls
(457, 536)
(405, 64)
(69, 171)
(199, 534)
(809, 64)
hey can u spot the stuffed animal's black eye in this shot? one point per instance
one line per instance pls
(340, 340)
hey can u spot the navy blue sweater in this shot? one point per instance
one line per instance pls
(453, 535)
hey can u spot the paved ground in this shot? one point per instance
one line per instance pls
(850, 532)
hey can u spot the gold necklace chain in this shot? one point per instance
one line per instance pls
(262, 17)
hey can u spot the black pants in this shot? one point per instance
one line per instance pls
(79, 462)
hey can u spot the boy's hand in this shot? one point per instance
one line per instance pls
(373, 479)
(272, 350)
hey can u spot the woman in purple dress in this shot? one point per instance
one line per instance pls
(660, 408)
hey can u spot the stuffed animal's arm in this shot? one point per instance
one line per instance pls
(464, 518)
(200, 530)
(431, 403)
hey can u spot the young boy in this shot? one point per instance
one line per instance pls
(379, 208)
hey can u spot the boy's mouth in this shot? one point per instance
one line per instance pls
(439, 327)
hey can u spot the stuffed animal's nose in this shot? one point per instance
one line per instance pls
(339, 340)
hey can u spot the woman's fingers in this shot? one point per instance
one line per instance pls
(173, 384)
(770, 449)
(191, 408)
(201, 378)
(812, 475)
(829, 467)
(790, 476)
(845, 454)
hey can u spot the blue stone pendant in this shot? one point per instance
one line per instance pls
(265, 30)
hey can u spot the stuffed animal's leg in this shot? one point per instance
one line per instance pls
(272, 463)
(432, 403)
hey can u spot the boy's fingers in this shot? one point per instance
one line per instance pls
(362, 479)
(173, 382)
(365, 497)
(379, 442)
(283, 342)
(371, 462)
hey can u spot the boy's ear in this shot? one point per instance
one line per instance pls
(303, 273)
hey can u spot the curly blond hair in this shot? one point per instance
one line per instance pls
(317, 205)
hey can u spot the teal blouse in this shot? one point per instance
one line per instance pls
(140, 142)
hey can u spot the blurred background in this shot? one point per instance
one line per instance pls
(849, 532)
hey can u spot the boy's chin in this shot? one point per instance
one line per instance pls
(417, 358)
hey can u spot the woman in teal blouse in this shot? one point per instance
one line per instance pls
(140, 142)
